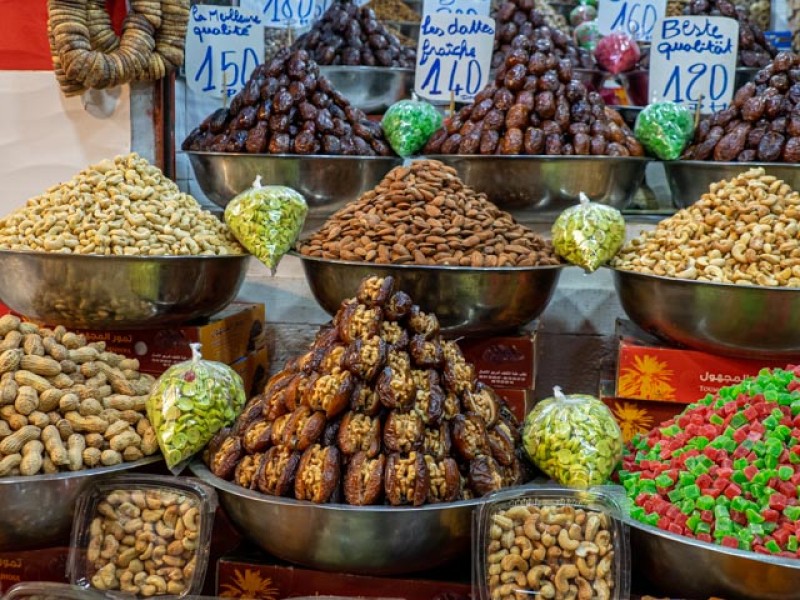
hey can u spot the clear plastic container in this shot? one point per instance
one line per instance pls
(543, 541)
(38, 590)
(142, 535)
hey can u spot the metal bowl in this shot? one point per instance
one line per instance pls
(464, 299)
(372, 89)
(374, 540)
(720, 318)
(549, 183)
(326, 182)
(38, 510)
(682, 567)
(690, 179)
(121, 292)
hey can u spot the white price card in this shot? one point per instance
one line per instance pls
(454, 54)
(284, 14)
(223, 46)
(458, 7)
(693, 60)
(637, 18)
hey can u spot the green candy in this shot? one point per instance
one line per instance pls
(408, 124)
(588, 234)
(664, 129)
(573, 439)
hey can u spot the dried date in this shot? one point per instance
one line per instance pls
(365, 357)
(359, 433)
(445, 479)
(257, 437)
(364, 479)
(403, 432)
(407, 480)
(303, 428)
(277, 472)
(485, 475)
(318, 474)
(226, 457)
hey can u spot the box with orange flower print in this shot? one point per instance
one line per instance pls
(648, 369)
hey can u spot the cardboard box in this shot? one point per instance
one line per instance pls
(640, 416)
(254, 370)
(503, 362)
(254, 576)
(648, 369)
(48, 565)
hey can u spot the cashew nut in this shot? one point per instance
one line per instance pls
(601, 589)
(585, 570)
(535, 575)
(566, 542)
(563, 575)
(514, 562)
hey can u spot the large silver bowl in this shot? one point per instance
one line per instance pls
(37, 511)
(121, 292)
(464, 299)
(372, 89)
(521, 184)
(374, 540)
(732, 320)
(690, 179)
(686, 568)
(326, 182)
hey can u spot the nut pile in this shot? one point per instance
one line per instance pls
(393, 10)
(535, 107)
(743, 231)
(754, 49)
(762, 123)
(288, 107)
(423, 214)
(550, 551)
(120, 207)
(349, 35)
(380, 409)
(66, 405)
(520, 17)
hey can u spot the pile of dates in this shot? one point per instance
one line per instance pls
(519, 17)
(754, 49)
(762, 124)
(287, 107)
(379, 410)
(349, 35)
(535, 107)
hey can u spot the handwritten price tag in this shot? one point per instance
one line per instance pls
(637, 18)
(454, 55)
(694, 58)
(282, 14)
(223, 46)
(457, 7)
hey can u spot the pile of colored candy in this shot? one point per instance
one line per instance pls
(727, 469)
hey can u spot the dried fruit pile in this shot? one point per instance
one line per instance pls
(349, 35)
(287, 107)
(380, 409)
(762, 124)
(726, 469)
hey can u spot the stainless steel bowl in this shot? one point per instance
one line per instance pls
(549, 183)
(374, 540)
(682, 567)
(690, 179)
(732, 320)
(121, 292)
(37, 511)
(326, 182)
(372, 89)
(464, 299)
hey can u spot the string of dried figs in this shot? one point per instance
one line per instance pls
(762, 123)
(67, 405)
(535, 106)
(423, 214)
(380, 409)
(287, 107)
(349, 35)
(743, 231)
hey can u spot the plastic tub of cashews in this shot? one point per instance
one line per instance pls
(542, 541)
(142, 536)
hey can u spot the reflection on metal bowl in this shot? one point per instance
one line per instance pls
(465, 299)
(376, 540)
(372, 89)
(720, 318)
(121, 292)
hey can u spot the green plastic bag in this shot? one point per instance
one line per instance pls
(588, 234)
(409, 124)
(664, 129)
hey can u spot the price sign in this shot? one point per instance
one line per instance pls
(458, 7)
(454, 54)
(223, 46)
(637, 18)
(693, 60)
(282, 14)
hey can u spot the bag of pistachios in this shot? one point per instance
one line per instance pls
(588, 234)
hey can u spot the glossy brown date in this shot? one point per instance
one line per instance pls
(485, 475)
(364, 479)
(303, 428)
(359, 433)
(403, 432)
(277, 472)
(257, 436)
(225, 459)
(318, 474)
(482, 401)
(445, 479)
(365, 357)
(469, 436)
(407, 480)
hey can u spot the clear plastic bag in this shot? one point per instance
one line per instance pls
(582, 13)
(190, 403)
(587, 35)
(267, 220)
(408, 124)
(588, 234)
(573, 439)
(664, 129)
(617, 53)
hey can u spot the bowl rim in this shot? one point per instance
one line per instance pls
(718, 284)
(433, 268)
(202, 472)
(535, 157)
(780, 561)
(364, 68)
(123, 258)
(262, 156)
(741, 166)
(23, 479)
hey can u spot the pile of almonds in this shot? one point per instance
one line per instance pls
(424, 214)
